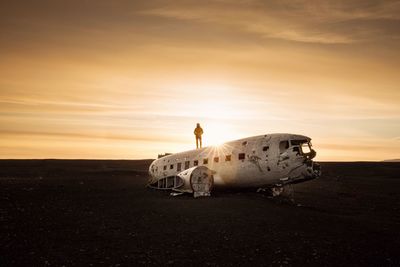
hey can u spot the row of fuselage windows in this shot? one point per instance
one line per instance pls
(241, 156)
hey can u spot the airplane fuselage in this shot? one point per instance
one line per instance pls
(259, 161)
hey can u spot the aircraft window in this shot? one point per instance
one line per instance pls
(265, 148)
(195, 163)
(165, 167)
(242, 155)
(171, 166)
(216, 159)
(283, 145)
(228, 158)
(179, 166)
(205, 161)
(187, 164)
(305, 148)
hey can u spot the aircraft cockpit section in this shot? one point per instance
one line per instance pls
(303, 147)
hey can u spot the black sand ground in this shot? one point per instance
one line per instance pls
(91, 213)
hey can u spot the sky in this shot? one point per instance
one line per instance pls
(130, 79)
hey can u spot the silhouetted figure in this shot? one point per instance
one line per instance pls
(198, 131)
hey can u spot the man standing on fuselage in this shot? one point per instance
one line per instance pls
(198, 131)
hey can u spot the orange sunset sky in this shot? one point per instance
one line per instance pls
(130, 79)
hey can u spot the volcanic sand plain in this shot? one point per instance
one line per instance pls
(99, 213)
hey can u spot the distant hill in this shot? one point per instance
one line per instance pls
(391, 160)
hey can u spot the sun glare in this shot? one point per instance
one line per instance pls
(216, 113)
(217, 133)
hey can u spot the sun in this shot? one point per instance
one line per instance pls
(216, 107)
(217, 113)
(217, 132)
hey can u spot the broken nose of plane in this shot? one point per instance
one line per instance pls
(316, 169)
(313, 169)
(312, 154)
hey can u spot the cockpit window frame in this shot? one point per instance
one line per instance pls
(300, 143)
(309, 148)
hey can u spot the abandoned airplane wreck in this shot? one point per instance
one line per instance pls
(266, 161)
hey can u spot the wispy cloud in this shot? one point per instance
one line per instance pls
(329, 22)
